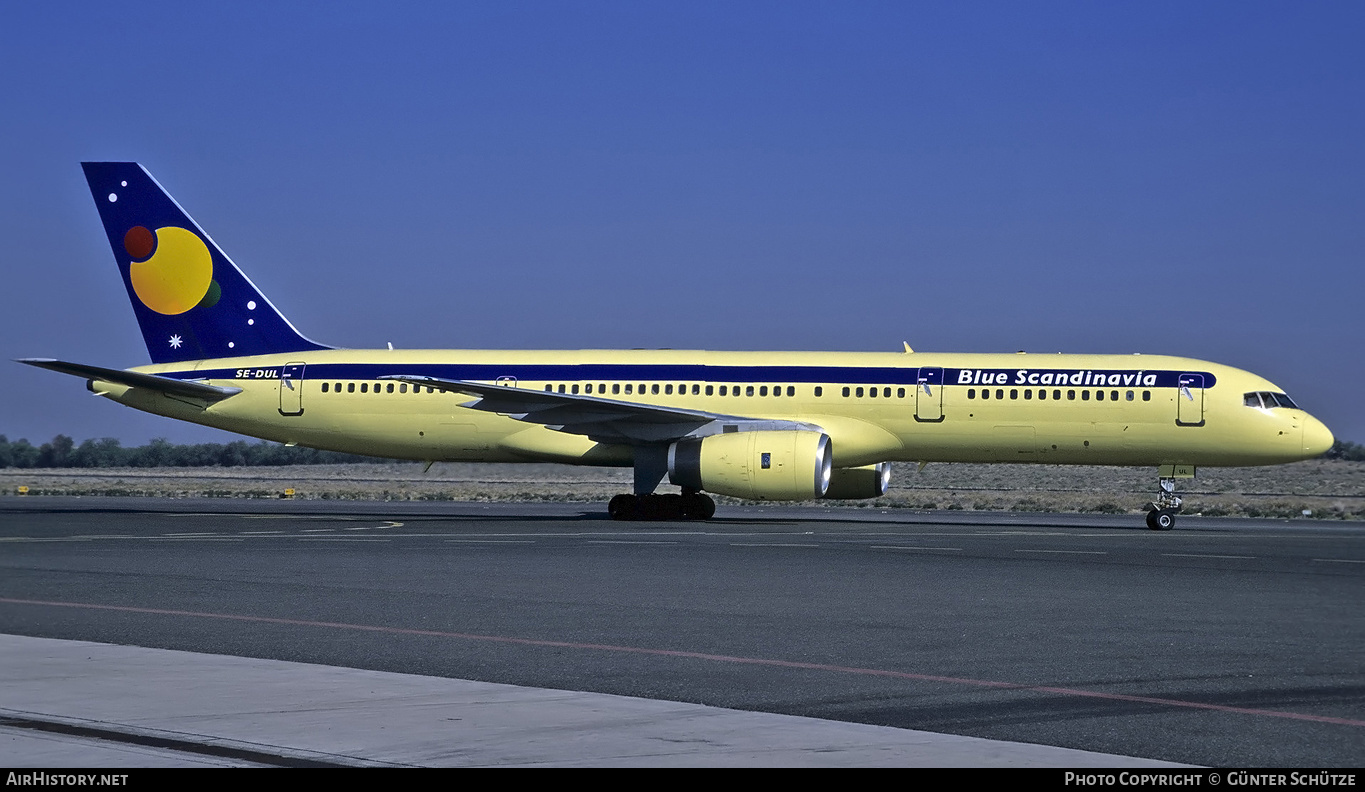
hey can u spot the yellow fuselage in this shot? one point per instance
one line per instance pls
(875, 407)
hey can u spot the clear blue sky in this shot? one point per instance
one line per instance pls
(1180, 178)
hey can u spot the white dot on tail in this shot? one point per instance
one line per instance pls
(251, 321)
(251, 305)
(123, 184)
(231, 345)
(112, 197)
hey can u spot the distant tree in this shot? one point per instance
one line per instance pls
(233, 454)
(24, 455)
(103, 453)
(1344, 449)
(106, 452)
(56, 453)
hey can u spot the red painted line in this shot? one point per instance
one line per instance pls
(705, 656)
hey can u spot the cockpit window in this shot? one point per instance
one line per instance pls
(1284, 400)
(1268, 400)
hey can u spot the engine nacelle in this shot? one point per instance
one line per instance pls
(764, 465)
(869, 481)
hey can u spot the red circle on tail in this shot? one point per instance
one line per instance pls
(139, 242)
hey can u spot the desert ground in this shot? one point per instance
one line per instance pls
(1327, 489)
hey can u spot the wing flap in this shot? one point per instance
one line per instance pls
(600, 419)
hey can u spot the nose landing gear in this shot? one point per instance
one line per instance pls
(1162, 511)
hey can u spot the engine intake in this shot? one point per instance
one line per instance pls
(763, 465)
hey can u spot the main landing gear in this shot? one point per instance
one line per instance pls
(651, 463)
(1162, 511)
(687, 506)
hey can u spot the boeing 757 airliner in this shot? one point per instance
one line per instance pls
(755, 425)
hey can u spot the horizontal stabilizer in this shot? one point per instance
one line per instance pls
(133, 379)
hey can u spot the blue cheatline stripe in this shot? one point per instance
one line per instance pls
(627, 372)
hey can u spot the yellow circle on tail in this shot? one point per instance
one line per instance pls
(177, 276)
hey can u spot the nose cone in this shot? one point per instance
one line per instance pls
(1317, 438)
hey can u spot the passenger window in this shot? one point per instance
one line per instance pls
(615, 388)
(1099, 395)
(709, 390)
(749, 390)
(561, 388)
(845, 391)
(1085, 395)
(1071, 395)
(587, 388)
(575, 388)
(763, 391)
(791, 390)
(859, 393)
(1028, 394)
(872, 392)
(668, 389)
(999, 393)
(364, 387)
(1146, 395)
(1014, 393)
(985, 393)
(654, 389)
(1042, 394)
(403, 387)
(389, 388)
(1113, 395)
(819, 391)
(696, 389)
(900, 393)
(971, 393)
(324, 387)
(1057, 395)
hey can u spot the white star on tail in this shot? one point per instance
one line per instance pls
(175, 342)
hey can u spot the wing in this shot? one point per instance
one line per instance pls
(602, 420)
(167, 385)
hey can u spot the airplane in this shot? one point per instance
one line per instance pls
(776, 426)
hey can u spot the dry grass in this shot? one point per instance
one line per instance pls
(1330, 489)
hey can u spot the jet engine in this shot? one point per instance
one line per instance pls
(759, 465)
(869, 481)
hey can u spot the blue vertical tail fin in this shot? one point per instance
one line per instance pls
(191, 301)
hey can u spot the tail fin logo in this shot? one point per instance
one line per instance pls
(190, 299)
(171, 269)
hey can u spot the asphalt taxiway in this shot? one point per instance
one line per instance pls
(1224, 642)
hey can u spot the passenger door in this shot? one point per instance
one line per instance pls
(1189, 400)
(291, 389)
(929, 395)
